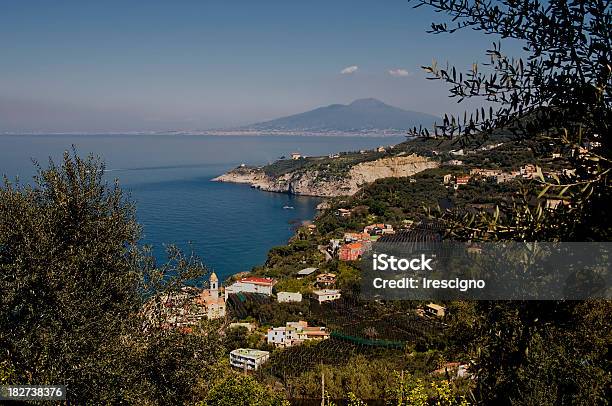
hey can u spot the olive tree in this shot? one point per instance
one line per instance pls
(555, 96)
(73, 284)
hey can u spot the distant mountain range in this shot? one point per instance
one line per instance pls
(363, 115)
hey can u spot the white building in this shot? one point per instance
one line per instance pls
(295, 333)
(212, 303)
(326, 295)
(251, 284)
(286, 297)
(248, 358)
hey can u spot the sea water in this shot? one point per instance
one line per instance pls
(230, 227)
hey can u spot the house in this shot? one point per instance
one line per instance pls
(326, 295)
(433, 309)
(454, 370)
(281, 337)
(211, 302)
(305, 272)
(326, 279)
(457, 152)
(351, 252)
(485, 173)
(251, 284)
(447, 178)
(461, 180)
(296, 155)
(248, 358)
(286, 297)
(455, 162)
(379, 229)
(295, 333)
(355, 237)
(334, 245)
(343, 212)
(380, 149)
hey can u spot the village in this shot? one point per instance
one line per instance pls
(184, 310)
(317, 285)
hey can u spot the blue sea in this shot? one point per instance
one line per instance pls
(230, 227)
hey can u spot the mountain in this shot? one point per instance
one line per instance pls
(361, 115)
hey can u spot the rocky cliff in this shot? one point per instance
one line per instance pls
(320, 183)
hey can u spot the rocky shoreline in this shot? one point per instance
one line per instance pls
(320, 184)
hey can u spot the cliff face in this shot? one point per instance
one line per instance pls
(318, 183)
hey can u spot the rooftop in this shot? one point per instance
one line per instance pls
(307, 271)
(435, 306)
(326, 292)
(354, 246)
(259, 281)
(250, 352)
(326, 275)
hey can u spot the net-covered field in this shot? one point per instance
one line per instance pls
(293, 361)
(240, 305)
(377, 323)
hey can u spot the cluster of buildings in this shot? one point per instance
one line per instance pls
(325, 283)
(295, 333)
(528, 171)
(354, 245)
(211, 301)
(186, 308)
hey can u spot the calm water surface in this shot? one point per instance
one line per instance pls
(231, 227)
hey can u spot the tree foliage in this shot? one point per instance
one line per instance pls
(557, 97)
(73, 283)
(240, 390)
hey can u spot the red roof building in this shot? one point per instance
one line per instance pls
(259, 281)
(251, 284)
(351, 252)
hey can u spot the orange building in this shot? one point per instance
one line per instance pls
(351, 252)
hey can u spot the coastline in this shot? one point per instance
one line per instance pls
(319, 181)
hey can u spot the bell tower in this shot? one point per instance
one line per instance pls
(214, 285)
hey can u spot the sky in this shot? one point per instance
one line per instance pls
(112, 66)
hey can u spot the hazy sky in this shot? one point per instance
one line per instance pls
(156, 65)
